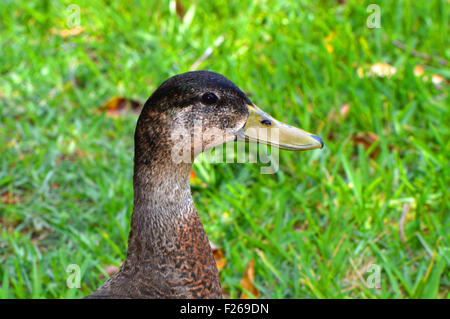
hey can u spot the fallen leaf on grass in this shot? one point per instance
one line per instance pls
(65, 33)
(117, 106)
(418, 70)
(366, 139)
(334, 116)
(8, 225)
(110, 270)
(219, 256)
(9, 199)
(54, 185)
(193, 175)
(379, 69)
(195, 181)
(301, 226)
(247, 281)
(436, 79)
(181, 11)
(360, 72)
(345, 108)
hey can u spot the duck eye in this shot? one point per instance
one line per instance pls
(209, 98)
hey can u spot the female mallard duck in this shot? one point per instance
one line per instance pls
(169, 255)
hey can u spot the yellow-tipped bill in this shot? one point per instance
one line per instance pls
(263, 128)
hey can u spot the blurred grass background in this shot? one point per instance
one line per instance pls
(377, 194)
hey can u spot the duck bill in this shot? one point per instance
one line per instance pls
(263, 128)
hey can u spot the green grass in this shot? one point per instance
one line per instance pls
(314, 227)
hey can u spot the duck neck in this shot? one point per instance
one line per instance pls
(167, 245)
(162, 204)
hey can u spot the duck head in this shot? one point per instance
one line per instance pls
(195, 111)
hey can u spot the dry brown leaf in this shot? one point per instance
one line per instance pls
(8, 224)
(379, 69)
(345, 108)
(419, 70)
(65, 33)
(219, 257)
(110, 270)
(437, 79)
(383, 70)
(195, 181)
(118, 105)
(193, 175)
(366, 139)
(360, 72)
(181, 11)
(247, 281)
(301, 226)
(9, 199)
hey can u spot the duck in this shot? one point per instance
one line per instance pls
(169, 254)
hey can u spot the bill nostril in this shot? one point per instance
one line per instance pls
(266, 122)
